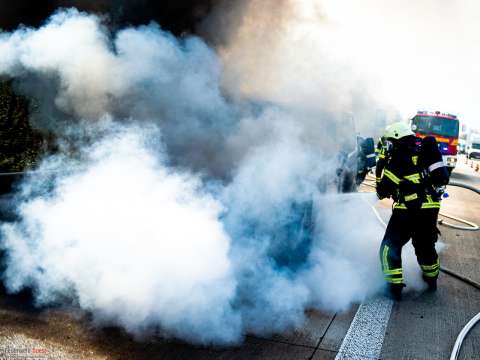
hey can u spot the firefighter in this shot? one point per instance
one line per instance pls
(407, 178)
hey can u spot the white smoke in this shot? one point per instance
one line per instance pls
(409, 55)
(198, 230)
(134, 243)
(76, 71)
(300, 67)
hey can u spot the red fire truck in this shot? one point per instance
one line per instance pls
(444, 127)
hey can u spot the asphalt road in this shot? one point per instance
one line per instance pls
(422, 326)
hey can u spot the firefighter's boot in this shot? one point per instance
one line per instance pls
(431, 282)
(394, 291)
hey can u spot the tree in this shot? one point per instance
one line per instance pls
(20, 143)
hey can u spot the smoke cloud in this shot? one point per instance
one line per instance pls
(383, 60)
(144, 249)
(196, 199)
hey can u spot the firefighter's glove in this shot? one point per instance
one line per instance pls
(381, 193)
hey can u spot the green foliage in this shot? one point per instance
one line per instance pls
(20, 144)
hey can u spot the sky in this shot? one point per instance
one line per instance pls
(414, 54)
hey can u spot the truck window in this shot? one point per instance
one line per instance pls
(427, 125)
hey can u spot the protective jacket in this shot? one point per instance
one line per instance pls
(406, 178)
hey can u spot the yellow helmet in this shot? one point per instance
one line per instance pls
(398, 130)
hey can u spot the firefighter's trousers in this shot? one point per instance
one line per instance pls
(420, 226)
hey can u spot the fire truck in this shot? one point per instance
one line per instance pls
(444, 127)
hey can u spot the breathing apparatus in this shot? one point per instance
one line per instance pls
(429, 161)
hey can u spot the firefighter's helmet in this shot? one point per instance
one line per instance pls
(398, 130)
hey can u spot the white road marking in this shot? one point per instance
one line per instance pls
(364, 339)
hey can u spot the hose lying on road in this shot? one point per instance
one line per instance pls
(462, 335)
(466, 329)
(472, 227)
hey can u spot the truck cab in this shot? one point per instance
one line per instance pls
(444, 128)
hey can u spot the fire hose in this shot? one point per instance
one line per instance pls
(471, 227)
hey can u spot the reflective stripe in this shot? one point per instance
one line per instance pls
(415, 178)
(395, 281)
(432, 274)
(415, 160)
(385, 261)
(393, 276)
(429, 204)
(398, 271)
(391, 176)
(411, 197)
(436, 166)
(430, 267)
(433, 205)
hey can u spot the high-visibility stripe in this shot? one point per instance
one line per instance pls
(431, 267)
(393, 276)
(415, 178)
(411, 197)
(436, 166)
(431, 206)
(431, 274)
(431, 270)
(391, 176)
(398, 271)
(415, 160)
(385, 261)
(426, 205)
(395, 281)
